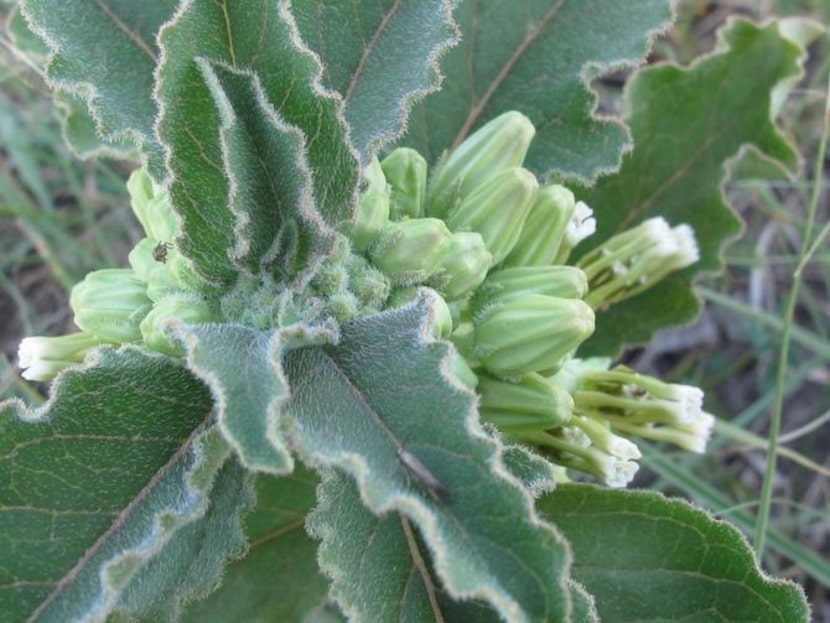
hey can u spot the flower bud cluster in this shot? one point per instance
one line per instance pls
(642, 406)
(491, 244)
(127, 305)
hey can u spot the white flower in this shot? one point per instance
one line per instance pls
(618, 472)
(636, 259)
(695, 435)
(573, 449)
(639, 398)
(582, 225)
(687, 250)
(692, 436)
(42, 358)
(602, 437)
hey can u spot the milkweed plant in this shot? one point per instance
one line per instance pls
(362, 366)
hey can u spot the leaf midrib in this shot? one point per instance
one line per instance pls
(142, 45)
(120, 520)
(477, 108)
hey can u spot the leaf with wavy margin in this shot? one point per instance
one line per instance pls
(645, 557)
(241, 367)
(686, 123)
(276, 228)
(537, 57)
(256, 38)
(105, 52)
(381, 56)
(97, 483)
(250, 590)
(381, 406)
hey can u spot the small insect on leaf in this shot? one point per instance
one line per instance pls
(419, 472)
(160, 251)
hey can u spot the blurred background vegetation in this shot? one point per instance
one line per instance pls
(61, 217)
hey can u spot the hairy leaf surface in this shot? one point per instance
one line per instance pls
(105, 53)
(686, 123)
(537, 56)
(381, 56)
(98, 481)
(278, 579)
(241, 367)
(665, 560)
(382, 405)
(258, 39)
(277, 230)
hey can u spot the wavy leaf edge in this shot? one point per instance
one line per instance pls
(413, 508)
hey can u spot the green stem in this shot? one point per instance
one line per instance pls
(807, 249)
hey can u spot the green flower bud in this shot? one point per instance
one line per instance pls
(544, 228)
(411, 251)
(42, 358)
(160, 283)
(463, 337)
(331, 278)
(464, 267)
(373, 174)
(460, 309)
(367, 283)
(406, 173)
(497, 210)
(498, 145)
(186, 308)
(636, 259)
(151, 206)
(110, 304)
(566, 282)
(461, 371)
(531, 404)
(442, 317)
(343, 306)
(371, 217)
(140, 188)
(141, 258)
(531, 333)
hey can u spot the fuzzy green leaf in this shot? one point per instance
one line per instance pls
(94, 485)
(584, 609)
(381, 406)
(665, 560)
(381, 56)
(686, 124)
(241, 367)
(251, 590)
(81, 135)
(190, 564)
(536, 473)
(79, 130)
(200, 112)
(106, 53)
(277, 229)
(25, 41)
(396, 582)
(537, 56)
